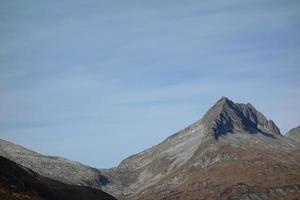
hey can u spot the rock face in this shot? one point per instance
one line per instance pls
(227, 117)
(17, 182)
(233, 152)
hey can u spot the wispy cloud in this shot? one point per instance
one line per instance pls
(127, 74)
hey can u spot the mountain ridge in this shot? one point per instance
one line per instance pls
(17, 182)
(294, 134)
(244, 127)
(63, 170)
(230, 134)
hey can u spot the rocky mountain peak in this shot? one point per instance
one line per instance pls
(228, 117)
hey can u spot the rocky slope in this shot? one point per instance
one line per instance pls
(233, 152)
(57, 168)
(17, 182)
(294, 134)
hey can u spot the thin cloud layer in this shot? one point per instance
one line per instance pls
(122, 75)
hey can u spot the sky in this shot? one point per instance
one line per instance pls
(97, 81)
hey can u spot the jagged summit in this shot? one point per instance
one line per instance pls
(228, 117)
(224, 99)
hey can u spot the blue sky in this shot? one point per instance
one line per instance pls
(96, 81)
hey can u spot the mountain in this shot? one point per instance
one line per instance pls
(294, 134)
(17, 182)
(233, 152)
(57, 168)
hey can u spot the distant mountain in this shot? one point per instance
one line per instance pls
(233, 152)
(294, 134)
(17, 182)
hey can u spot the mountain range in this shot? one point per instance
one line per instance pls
(232, 152)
